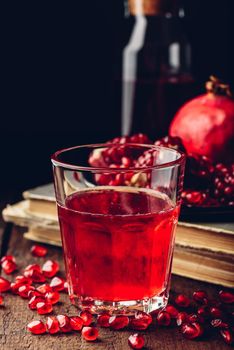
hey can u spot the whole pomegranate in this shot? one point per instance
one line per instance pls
(206, 123)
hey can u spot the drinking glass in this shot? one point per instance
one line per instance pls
(118, 206)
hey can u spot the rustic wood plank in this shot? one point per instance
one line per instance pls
(15, 316)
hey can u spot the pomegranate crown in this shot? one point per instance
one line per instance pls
(217, 87)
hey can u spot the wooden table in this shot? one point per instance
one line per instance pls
(15, 315)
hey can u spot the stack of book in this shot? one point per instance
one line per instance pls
(203, 251)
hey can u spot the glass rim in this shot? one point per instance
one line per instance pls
(56, 162)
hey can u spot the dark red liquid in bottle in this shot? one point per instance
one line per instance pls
(118, 244)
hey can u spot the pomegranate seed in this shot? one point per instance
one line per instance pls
(52, 297)
(191, 330)
(44, 288)
(218, 323)
(50, 268)
(35, 275)
(24, 290)
(1, 300)
(164, 318)
(23, 280)
(9, 266)
(8, 258)
(118, 322)
(171, 310)
(103, 320)
(226, 297)
(44, 307)
(33, 293)
(38, 250)
(182, 301)
(86, 317)
(76, 323)
(4, 285)
(89, 333)
(33, 267)
(64, 323)
(36, 327)
(15, 287)
(203, 311)
(182, 317)
(136, 341)
(141, 321)
(52, 325)
(32, 304)
(195, 318)
(216, 312)
(200, 296)
(227, 336)
(57, 284)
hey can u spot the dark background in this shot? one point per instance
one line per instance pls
(58, 72)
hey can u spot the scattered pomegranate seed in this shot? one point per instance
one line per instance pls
(86, 317)
(9, 266)
(44, 288)
(118, 322)
(89, 333)
(216, 312)
(64, 323)
(136, 341)
(15, 287)
(76, 323)
(200, 296)
(191, 330)
(36, 327)
(4, 284)
(38, 250)
(141, 321)
(7, 258)
(164, 318)
(57, 284)
(171, 310)
(182, 301)
(103, 320)
(32, 267)
(36, 293)
(32, 304)
(44, 307)
(226, 297)
(23, 280)
(182, 317)
(50, 268)
(34, 272)
(52, 325)
(66, 286)
(52, 297)
(1, 300)
(218, 323)
(24, 290)
(227, 336)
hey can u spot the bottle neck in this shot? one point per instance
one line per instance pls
(153, 7)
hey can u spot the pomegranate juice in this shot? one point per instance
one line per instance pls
(118, 243)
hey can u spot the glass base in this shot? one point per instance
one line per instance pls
(128, 307)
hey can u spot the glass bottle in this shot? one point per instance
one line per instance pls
(155, 78)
